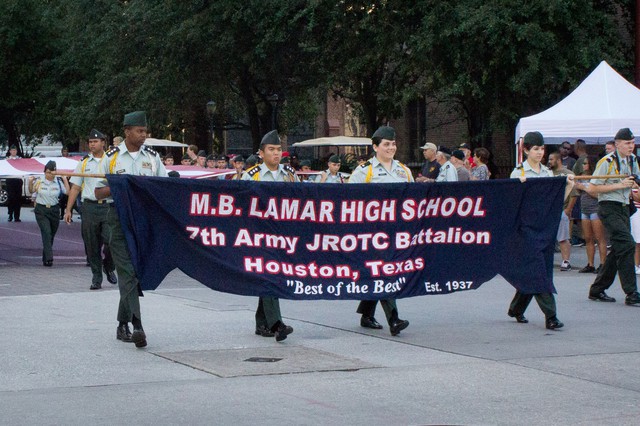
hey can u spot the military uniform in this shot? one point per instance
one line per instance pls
(337, 178)
(373, 171)
(145, 162)
(47, 211)
(546, 301)
(448, 173)
(268, 316)
(93, 220)
(613, 210)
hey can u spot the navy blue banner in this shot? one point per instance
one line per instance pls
(362, 241)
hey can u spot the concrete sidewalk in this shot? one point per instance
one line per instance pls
(461, 361)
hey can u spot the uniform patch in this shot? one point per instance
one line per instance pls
(146, 165)
(401, 173)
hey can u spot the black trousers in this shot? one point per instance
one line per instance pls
(615, 218)
(368, 308)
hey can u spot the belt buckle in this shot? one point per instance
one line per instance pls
(48, 206)
(100, 201)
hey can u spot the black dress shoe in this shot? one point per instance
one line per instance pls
(139, 337)
(263, 331)
(370, 322)
(111, 276)
(18, 220)
(283, 331)
(48, 263)
(553, 323)
(397, 326)
(123, 333)
(632, 299)
(95, 287)
(519, 318)
(601, 297)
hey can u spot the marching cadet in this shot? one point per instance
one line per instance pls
(93, 211)
(532, 167)
(382, 168)
(134, 158)
(238, 163)
(268, 318)
(613, 209)
(332, 174)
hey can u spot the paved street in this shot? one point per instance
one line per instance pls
(461, 361)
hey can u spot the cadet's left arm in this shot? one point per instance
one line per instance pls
(567, 191)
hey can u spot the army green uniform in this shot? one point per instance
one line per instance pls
(93, 218)
(268, 312)
(546, 301)
(146, 162)
(613, 210)
(47, 213)
(374, 172)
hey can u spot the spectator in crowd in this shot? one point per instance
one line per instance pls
(332, 174)
(581, 152)
(555, 164)
(458, 161)
(447, 172)
(268, 317)
(468, 159)
(532, 167)
(431, 167)
(592, 228)
(186, 160)
(361, 160)
(613, 209)
(65, 151)
(565, 154)
(382, 168)
(47, 210)
(117, 141)
(168, 160)
(480, 159)
(14, 198)
(610, 147)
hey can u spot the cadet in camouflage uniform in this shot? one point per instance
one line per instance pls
(134, 158)
(382, 168)
(268, 317)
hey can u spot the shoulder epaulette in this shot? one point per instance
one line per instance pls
(367, 164)
(289, 169)
(85, 157)
(150, 150)
(112, 151)
(253, 170)
(519, 166)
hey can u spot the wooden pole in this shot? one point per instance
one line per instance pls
(601, 177)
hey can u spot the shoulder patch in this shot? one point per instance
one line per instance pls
(253, 170)
(85, 157)
(112, 151)
(150, 150)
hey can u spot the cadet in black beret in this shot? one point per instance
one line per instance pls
(135, 119)
(285, 160)
(211, 161)
(458, 154)
(201, 159)
(238, 164)
(383, 132)
(332, 174)
(221, 162)
(186, 160)
(96, 134)
(613, 210)
(252, 160)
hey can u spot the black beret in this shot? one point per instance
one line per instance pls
(444, 150)
(458, 154)
(271, 138)
(186, 157)
(96, 134)
(464, 146)
(251, 160)
(211, 157)
(624, 134)
(238, 159)
(385, 132)
(305, 163)
(13, 147)
(335, 158)
(51, 165)
(533, 139)
(202, 153)
(173, 173)
(285, 160)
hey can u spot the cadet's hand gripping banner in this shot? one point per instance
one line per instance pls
(324, 241)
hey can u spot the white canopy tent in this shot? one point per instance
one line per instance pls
(601, 105)
(165, 143)
(334, 141)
